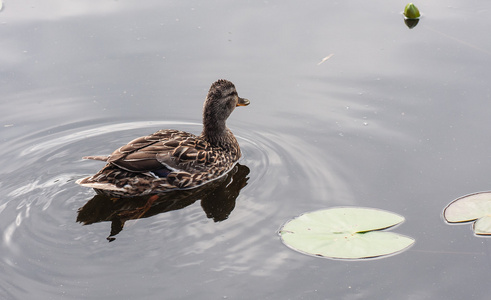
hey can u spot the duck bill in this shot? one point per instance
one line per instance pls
(243, 102)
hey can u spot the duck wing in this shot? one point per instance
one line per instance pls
(163, 152)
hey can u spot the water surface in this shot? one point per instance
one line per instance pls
(395, 119)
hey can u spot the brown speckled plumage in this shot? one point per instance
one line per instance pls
(172, 159)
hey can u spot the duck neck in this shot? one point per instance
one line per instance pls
(216, 133)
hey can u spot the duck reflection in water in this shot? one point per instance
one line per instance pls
(217, 200)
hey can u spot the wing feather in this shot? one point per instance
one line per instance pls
(166, 149)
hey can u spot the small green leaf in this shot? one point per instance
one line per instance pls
(411, 11)
(345, 232)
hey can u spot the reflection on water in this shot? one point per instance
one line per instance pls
(217, 200)
(411, 23)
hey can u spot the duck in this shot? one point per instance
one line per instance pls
(170, 159)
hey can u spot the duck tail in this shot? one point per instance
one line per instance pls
(97, 157)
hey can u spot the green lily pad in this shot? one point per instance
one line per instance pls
(469, 208)
(345, 232)
(411, 11)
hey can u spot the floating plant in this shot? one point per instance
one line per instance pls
(345, 232)
(411, 11)
(411, 15)
(474, 207)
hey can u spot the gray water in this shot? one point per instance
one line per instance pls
(395, 119)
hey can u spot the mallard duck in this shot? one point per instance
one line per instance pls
(171, 159)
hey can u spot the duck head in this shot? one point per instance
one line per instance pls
(220, 102)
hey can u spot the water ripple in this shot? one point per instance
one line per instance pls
(41, 200)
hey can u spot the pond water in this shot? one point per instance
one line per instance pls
(395, 119)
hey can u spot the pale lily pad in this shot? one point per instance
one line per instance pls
(469, 208)
(483, 225)
(345, 232)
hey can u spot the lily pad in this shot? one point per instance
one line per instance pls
(482, 226)
(345, 232)
(469, 208)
